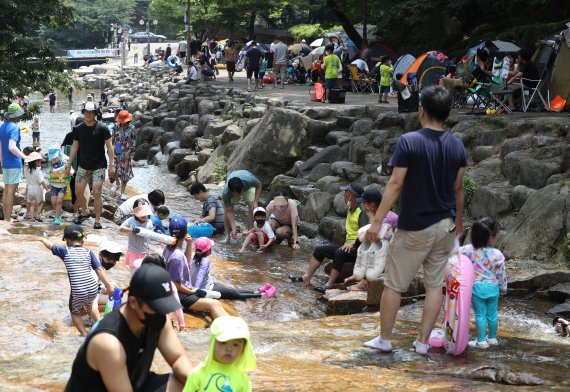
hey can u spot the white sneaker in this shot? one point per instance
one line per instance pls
(477, 344)
(379, 344)
(114, 188)
(361, 260)
(421, 348)
(376, 259)
(123, 197)
(492, 342)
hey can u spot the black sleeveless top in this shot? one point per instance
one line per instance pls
(140, 352)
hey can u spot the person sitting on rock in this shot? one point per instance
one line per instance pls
(355, 219)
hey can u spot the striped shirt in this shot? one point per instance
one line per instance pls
(210, 202)
(79, 262)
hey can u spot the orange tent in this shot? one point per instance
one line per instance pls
(429, 67)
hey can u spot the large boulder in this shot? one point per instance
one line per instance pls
(214, 129)
(539, 226)
(188, 164)
(330, 184)
(215, 167)
(491, 200)
(361, 127)
(177, 156)
(350, 171)
(333, 228)
(204, 121)
(316, 207)
(146, 134)
(141, 151)
(168, 124)
(188, 137)
(273, 145)
(358, 147)
(319, 171)
(320, 113)
(207, 107)
(339, 204)
(186, 105)
(153, 102)
(317, 130)
(233, 132)
(284, 183)
(521, 169)
(389, 119)
(486, 171)
(180, 126)
(328, 154)
(520, 195)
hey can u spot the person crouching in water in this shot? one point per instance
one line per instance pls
(262, 235)
(79, 262)
(230, 357)
(57, 181)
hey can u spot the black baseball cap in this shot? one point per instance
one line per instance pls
(355, 189)
(73, 233)
(372, 195)
(151, 284)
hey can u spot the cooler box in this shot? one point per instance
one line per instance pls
(412, 104)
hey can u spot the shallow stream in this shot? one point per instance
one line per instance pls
(298, 347)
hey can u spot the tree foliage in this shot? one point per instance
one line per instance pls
(93, 19)
(28, 64)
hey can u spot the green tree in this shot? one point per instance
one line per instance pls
(170, 16)
(93, 19)
(28, 64)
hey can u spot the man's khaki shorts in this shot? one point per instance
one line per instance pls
(409, 250)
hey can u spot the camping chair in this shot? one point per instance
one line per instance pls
(359, 84)
(529, 93)
(481, 95)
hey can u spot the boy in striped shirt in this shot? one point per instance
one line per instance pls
(79, 261)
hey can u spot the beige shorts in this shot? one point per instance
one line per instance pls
(409, 250)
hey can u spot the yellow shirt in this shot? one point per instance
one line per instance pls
(355, 219)
(331, 64)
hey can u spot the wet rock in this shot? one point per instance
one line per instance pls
(188, 164)
(232, 132)
(166, 138)
(521, 169)
(317, 130)
(559, 292)
(146, 134)
(539, 225)
(170, 146)
(141, 151)
(361, 127)
(309, 230)
(333, 228)
(215, 166)
(177, 156)
(281, 135)
(481, 153)
(188, 136)
(520, 195)
(326, 155)
(491, 200)
(376, 287)
(339, 204)
(319, 171)
(348, 170)
(561, 309)
(344, 302)
(318, 204)
(152, 152)
(330, 184)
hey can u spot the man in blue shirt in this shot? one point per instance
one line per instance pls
(240, 183)
(11, 157)
(428, 176)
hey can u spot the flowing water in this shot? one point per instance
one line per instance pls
(298, 347)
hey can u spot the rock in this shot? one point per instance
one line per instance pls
(320, 113)
(166, 138)
(168, 124)
(153, 102)
(361, 127)
(481, 153)
(352, 111)
(317, 206)
(214, 129)
(380, 137)
(333, 228)
(490, 137)
(257, 112)
(561, 309)
(372, 162)
(486, 171)
(233, 132)
(141, 151)
(186, 105)
(539, 225)
(202, 143)
(204, 121)
(188, 164)
(310, 230)
(188, 137)
(521, 169)
(146, 134)
(358, 147)
(204, 155)
(284, 183)
(207, 107)
(214, 170)
(520, 195)
(152, 152)
(330, 184)
(319, 171)
(411, 122)
(250, 124)
(390, 119)
(328, 154)
(520, 143)
(339, 138)
(145, 119)
(281, 137)
(348, 170)
(558, 293)
(376, 287)
(345, 302)
(180, 126)
(317, 130)
(177, 156)
(491, 200)
(531, 280)
(339, 204)
(344, 122)
(170, 146)
(302, 192)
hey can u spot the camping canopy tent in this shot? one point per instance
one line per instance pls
(401, 65)
(553, 53)
(496, 48)
(429, 68)
(374, 53)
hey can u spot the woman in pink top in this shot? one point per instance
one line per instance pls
(283, 219)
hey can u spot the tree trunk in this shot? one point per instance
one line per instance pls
(365, 23)
(346, 23)
(251, 25)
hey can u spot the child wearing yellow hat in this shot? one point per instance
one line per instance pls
(230, 357)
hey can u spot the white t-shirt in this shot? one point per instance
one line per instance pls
(127, 207)
(361, 64)
(192, 73)
(266, 229)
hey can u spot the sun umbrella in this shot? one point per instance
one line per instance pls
(318, 51)
(316, 43)
(295, 48)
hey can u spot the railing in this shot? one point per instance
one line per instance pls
(92, 53)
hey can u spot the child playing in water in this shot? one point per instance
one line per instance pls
(262, 235)
(230, 356)
(79, 262)
(161, 214)
(489, 278)
(36, 181)
(36, 131)
(57, 181)
(138, 246)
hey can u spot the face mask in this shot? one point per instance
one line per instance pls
(154, 321)
(106, 265)
(349, 204)
(260, 222)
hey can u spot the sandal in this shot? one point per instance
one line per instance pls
(296, 279)
(80, 218)
(38, 219)
(322, 289)
(97, 225)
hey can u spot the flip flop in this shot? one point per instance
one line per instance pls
(296, 279)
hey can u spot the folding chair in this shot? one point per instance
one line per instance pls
(359, 84)
(481, 95)
(529, 93)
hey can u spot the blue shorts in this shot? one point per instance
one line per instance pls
(384, 89)
(53, 192)
(12, 176)
(331, 83)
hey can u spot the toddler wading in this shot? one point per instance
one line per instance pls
(35, 185)
(57, 180)
(489, 278)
